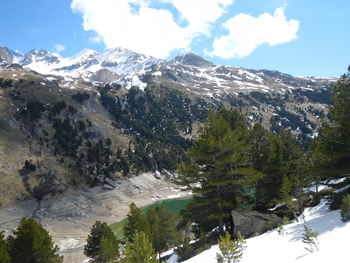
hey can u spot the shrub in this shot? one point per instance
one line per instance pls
(345, 208)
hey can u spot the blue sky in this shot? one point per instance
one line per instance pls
(299, 37)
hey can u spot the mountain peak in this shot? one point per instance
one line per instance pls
(40, 55)
(191, 59)
(9, 55)
(86, 52)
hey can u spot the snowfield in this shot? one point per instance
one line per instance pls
(271, 247)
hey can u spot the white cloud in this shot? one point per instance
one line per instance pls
(59, 48)
(149, 30)
(246, 33)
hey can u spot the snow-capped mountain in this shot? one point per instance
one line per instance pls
(129, 68)
(115, 64)
(211, 80)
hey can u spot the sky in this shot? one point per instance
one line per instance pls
(298, 37)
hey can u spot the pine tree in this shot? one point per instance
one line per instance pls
(310, 239)
(107, 250)
(101, 243)
(332, 146)
(140, 251)
(220, 171)
(4, 253)
(230, 251)
(345, 208)
(31, 243)
(163, 232)
(185, 250)
(136, 222)
(278, 156)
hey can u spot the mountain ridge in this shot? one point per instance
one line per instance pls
(95, 117)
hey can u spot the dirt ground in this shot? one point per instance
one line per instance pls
(68, 218)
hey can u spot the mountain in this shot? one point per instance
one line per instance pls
(10, 56)
(86, 65)
(68, 123)
(132, 69)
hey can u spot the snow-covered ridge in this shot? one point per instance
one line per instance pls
(273, 247)
(129, 68)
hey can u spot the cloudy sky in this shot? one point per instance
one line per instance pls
(300, 37)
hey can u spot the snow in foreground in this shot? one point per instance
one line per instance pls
(271, 247)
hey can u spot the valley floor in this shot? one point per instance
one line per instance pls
(272, 247)
(69, 218)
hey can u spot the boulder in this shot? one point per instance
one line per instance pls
(107, 187)
(111, 182)
(100, 178)
(157, 175)
(251, 223)
(167, 175)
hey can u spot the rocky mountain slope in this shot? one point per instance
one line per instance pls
(68, 123)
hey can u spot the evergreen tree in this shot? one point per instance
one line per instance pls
(163, 232)
(31, 243)
(278, 156)
(136, 222)
(101, 243)
(230, 251)
(310, 239)
(332, 147)
(220, 172)
(107, 250)
(185, 250)
(345, 208)
(4, 253)
(140, 251)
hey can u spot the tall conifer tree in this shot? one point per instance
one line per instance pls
(220, 172)
(332, 147)
(31, 243)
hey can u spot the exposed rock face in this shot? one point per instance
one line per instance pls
(104, 75)
(253, 222)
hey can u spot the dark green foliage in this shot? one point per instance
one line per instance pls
(71, 109)
(221, 163)
(32, 111)
(163, 233)
(108, 250)
(6, 83)
(278, 156)
(101, 245)
(29, 166)
(154, 117)
(137, 221)
(140, 250)
(66, 136)
(4, 253)
(31, 243)
(331, 150)
(185, 250)
(345, 208)
(80, 97)
(58, 107)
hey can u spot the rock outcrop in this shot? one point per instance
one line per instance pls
(250, 223)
